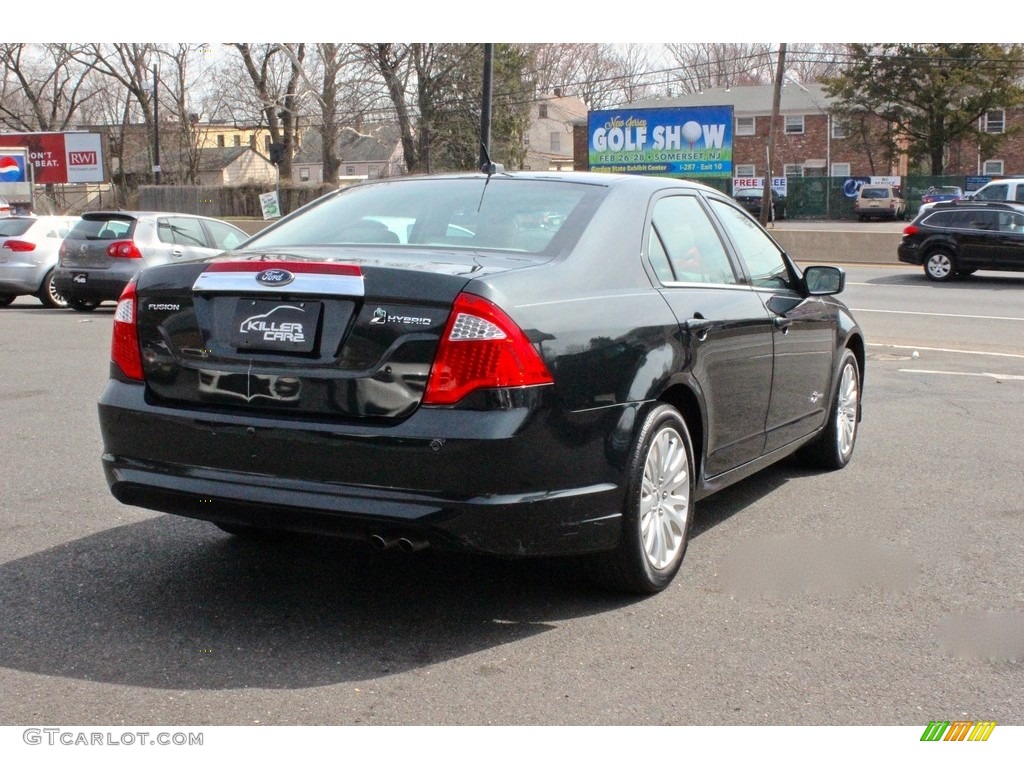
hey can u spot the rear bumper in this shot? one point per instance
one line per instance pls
(90, 284)
(21, 279)
(910, 255)
(521, 482)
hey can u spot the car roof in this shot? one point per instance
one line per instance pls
(1005, 205)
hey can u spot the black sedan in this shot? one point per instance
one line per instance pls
(753, 199)
(514, 364)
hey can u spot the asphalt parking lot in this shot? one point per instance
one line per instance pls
(884, 594)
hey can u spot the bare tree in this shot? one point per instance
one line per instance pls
(601, 75)
(275, 72)
(816, 62)
(43, 86)
(720, 65)
(189, 67)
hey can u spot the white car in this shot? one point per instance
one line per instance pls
(29, 248)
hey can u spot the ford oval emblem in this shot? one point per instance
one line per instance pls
(274, 277)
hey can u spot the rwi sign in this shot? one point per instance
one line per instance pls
(82, 158)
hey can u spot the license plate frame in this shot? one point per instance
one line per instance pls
(274, 325)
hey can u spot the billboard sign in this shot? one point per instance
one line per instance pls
(689, 142)
(61, 158)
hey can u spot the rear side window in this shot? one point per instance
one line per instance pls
(225, 236)
(14, 227)
(992, 192)
(683, 236)
(179, 230)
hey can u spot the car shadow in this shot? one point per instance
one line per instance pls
(173, 603)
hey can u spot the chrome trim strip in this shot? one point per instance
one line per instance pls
(306, 283)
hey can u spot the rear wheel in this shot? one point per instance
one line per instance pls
(49, 295)
(658, 508)
(940, 266)
(833, 448)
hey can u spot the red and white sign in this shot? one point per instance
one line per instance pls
(61, 158)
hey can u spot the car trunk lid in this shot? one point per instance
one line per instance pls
(309, 332)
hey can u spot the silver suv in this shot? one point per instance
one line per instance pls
(106, 248)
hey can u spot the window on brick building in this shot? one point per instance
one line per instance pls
(556, 141)
(840, 169)
(236, 140)
(992, 168)
(840, 130)
(745, 171)
(792, 170)
(220, 139)
(542, 111)
(994, 121)
(746, 126)
(794, 123)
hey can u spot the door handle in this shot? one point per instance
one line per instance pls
(699, 327)
(782, 323)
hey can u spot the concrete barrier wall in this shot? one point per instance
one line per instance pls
(837, 246)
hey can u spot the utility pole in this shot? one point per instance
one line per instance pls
(780, 74)
(156, 128)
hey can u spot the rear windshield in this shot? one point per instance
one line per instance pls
(874, 193)
(14, 227)
(102, 229)
(503, 213)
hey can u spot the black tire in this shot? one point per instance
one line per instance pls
(7, 300)
(49, 295)
(80, 305)
(657, 511)
(940, 266)
(833, 448)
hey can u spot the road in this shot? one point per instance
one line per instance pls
(885, 594)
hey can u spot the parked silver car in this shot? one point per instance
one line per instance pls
(28, 256)
(106, 248)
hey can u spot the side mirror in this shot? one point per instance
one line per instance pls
(824, 281)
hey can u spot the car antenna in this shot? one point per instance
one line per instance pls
(490, 168)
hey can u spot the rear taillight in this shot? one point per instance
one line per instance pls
(19, 245)
(123, 249)
(481, 348)
(909, 230)
(124, 347)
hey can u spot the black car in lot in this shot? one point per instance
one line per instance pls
(959, 237)
(753, 200)
(514, 364)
